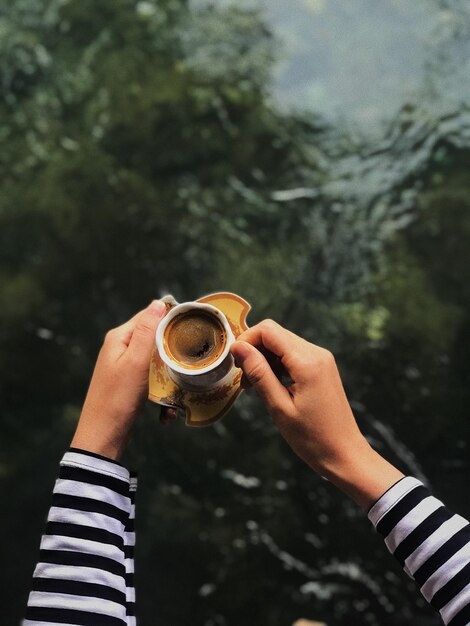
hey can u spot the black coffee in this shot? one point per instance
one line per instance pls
(194, 339)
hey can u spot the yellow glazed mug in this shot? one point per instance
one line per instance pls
(205, 395)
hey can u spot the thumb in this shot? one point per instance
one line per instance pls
(262, 378)
(143, 336)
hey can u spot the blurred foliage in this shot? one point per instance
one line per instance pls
(142, 154)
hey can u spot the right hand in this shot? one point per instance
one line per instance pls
(313, 413)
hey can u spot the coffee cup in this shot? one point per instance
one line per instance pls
(194, 341)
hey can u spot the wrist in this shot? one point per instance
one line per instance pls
(90, 435)
(95, 455)
(362, 473)
(111, 452)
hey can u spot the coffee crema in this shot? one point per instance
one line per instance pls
(194, 339)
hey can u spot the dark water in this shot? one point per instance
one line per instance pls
(391, 82)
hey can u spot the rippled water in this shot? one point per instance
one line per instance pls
(392, 80)
(231, 524)
(362, 61)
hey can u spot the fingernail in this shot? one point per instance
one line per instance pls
(240, 351)
(157, 308)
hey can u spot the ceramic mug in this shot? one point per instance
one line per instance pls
(203, 378)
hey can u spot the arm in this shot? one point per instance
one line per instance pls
(82, 573)
(85, 571)
(431, 544)
(314, 416)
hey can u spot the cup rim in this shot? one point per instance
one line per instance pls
(182, 308)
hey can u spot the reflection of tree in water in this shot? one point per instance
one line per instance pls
(143, 154)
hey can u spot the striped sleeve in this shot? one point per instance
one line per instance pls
(432, 545)
(85, 573)
(129, 543)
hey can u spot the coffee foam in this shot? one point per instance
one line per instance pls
(194, 339)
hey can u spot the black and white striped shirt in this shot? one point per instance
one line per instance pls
(431, 543)
(86, 566)
(85, 574)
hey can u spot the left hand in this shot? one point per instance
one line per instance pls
(119, 385)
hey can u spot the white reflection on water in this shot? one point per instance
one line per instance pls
(361, 61)
(327, 579)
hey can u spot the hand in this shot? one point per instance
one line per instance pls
(313, 414)
(119, 385)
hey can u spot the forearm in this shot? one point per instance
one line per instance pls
(86, 554)
(315, 418)
(361, 473)
(431, 543)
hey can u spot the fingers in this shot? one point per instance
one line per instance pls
(260, 375)
(121, 335)
(118, 339)
(168, 414)
(272, 336)
(292, 350)
(143, 336)
(274, 363)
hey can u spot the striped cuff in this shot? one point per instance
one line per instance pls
(431, 544)
(75, 457)
(85, 571)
